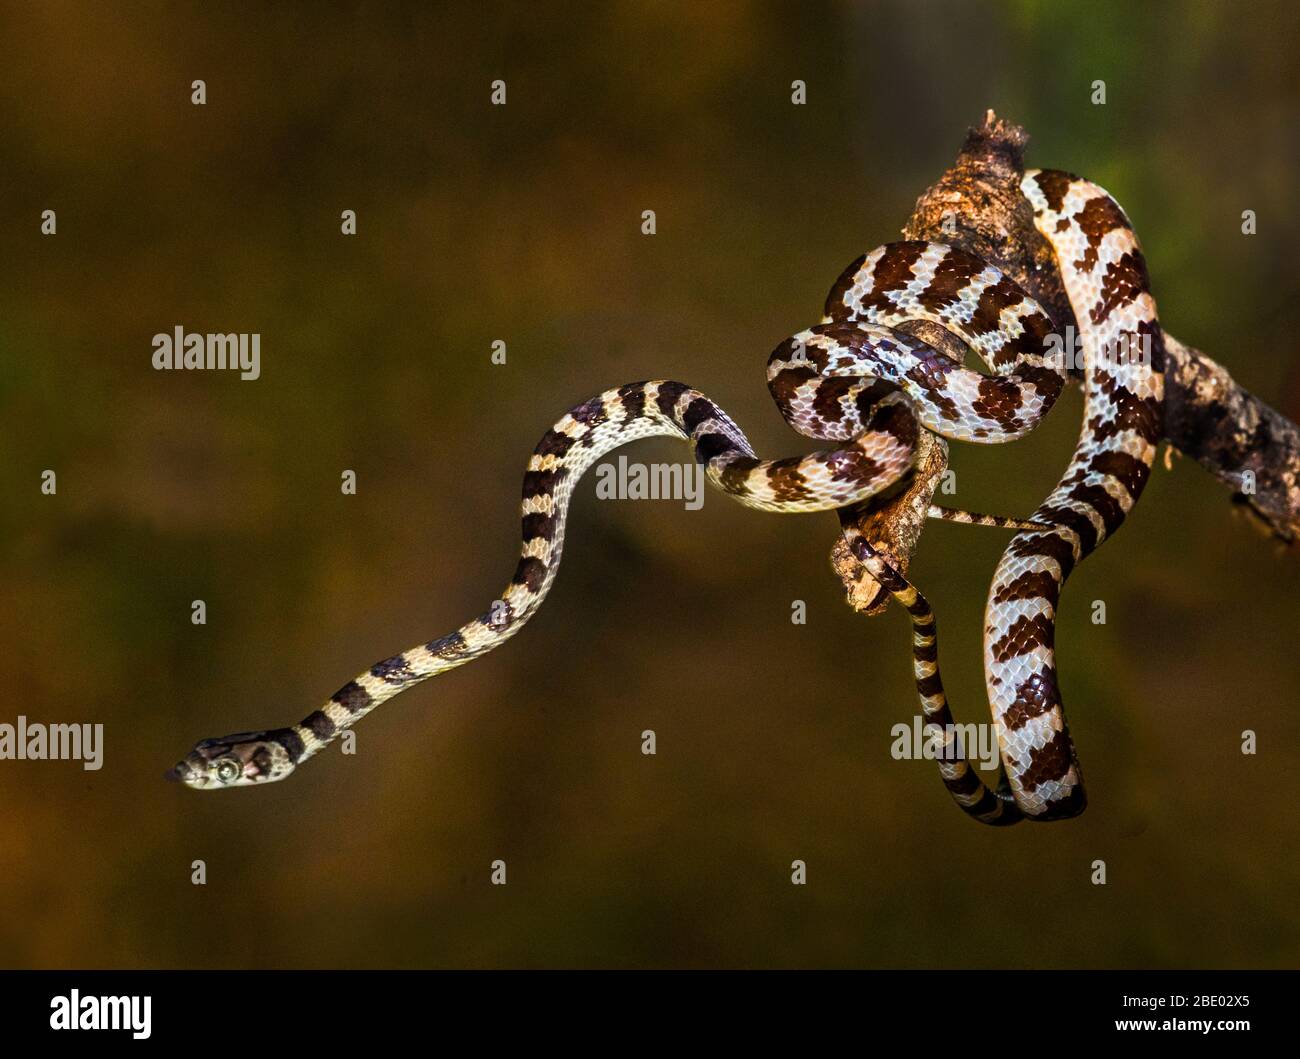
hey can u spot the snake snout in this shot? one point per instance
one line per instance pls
(189, 771)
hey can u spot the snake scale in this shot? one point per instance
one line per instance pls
(856, 381)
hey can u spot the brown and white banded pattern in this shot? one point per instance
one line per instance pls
(853, 379)
(1123, 355)
(878, 455)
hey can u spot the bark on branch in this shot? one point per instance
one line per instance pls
(977, 206)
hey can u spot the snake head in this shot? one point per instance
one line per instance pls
(238, 760)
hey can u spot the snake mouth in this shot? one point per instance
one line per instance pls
(185, 773)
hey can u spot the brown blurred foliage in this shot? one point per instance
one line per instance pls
(522, 223)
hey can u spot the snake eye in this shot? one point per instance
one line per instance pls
(229, 770)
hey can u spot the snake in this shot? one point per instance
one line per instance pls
(856, 380)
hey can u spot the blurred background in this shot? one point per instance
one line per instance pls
(522, 223)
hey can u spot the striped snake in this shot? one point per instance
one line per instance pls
(854, 380)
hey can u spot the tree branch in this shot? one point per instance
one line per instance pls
(977, 206)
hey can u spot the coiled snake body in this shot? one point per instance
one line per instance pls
(854, 380)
